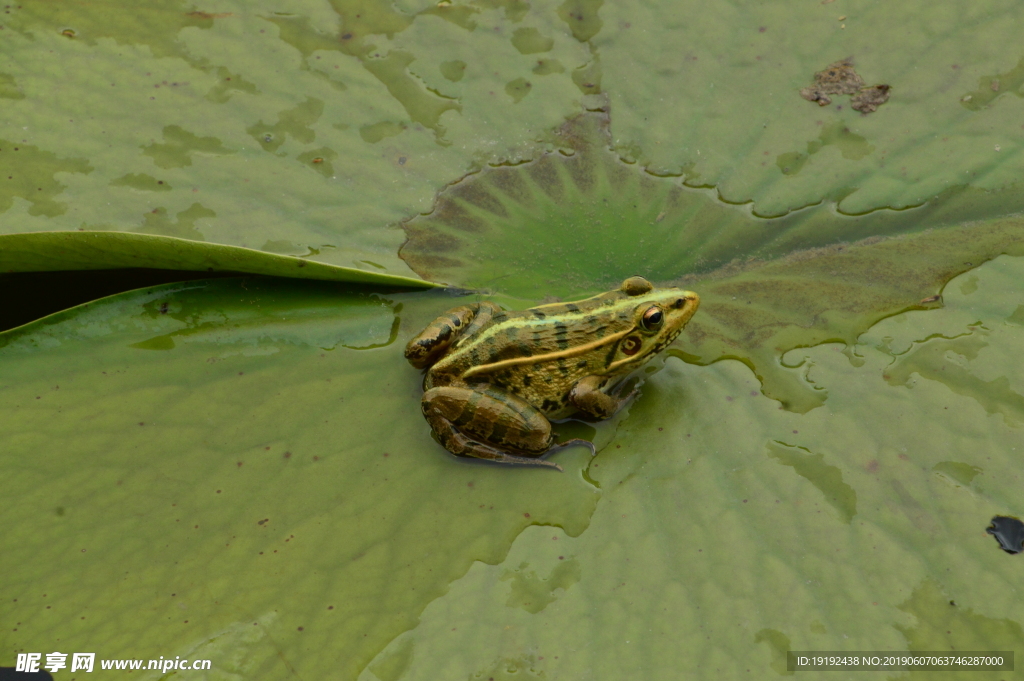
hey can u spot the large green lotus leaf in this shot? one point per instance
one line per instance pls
(262, 125)
(710, 92)
(175, 440)
(580, 220)
(54, 251)
(238, 470)
(730, 532)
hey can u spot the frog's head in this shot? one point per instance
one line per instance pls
(658, 317)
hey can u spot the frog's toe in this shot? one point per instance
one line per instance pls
(579, 441)
(482, 451)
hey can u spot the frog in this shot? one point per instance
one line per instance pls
(496, 379)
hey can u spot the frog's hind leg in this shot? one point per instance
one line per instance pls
(483, 423)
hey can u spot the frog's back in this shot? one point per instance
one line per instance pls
(536, 353)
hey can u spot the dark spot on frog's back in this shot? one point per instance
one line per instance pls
(527, 380)
(510, 351)
(539, 315)
(561, 335)
(548, 405)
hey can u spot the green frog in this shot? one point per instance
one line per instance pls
(496, 379)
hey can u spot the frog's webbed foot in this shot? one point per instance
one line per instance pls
(460, 445)
(617, 392)
(484, 452)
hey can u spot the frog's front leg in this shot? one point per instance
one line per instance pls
(586, 396)
(483, 423)
(435, 340)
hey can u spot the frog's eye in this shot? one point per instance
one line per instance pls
(652, 319)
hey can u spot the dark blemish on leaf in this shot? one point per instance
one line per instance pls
(840, 78)
(868, 99)
(1009, 532)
